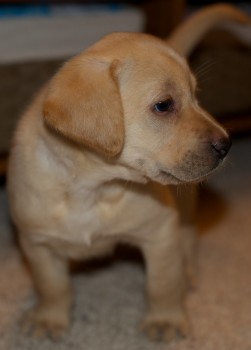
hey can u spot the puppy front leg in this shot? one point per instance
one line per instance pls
(51, 316)
(189, 240)
(165, 288)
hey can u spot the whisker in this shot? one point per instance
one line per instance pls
(206, 79)
(204, 71)
(209, 63)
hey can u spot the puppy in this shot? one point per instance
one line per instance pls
(92, 164)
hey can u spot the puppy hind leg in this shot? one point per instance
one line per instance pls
(51, 316)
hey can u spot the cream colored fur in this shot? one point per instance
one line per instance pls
(93, 163)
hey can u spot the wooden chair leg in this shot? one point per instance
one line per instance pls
(163, 16)
(3, 165)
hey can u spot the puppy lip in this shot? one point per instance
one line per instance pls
(170, 176)
(201, 177)
(177, 180)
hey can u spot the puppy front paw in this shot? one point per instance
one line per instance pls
(44, 321)
(165, 327)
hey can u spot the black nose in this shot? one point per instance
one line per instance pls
(221, 147)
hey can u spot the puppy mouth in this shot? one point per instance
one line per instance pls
(180, 176)
(167, 178)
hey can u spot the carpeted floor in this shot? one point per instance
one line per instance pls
(109, 300)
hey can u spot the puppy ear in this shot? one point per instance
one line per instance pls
(83, 103)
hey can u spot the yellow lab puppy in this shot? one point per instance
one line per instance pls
(91, 164)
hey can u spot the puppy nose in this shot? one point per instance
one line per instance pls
(221, 147)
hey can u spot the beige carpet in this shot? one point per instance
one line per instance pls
(109, 300)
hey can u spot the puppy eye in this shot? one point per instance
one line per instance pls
(166, 106)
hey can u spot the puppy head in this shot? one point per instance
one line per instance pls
(169, 136)
(133, 97)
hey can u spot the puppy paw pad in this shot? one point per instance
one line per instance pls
(41, 324)
(164, 330)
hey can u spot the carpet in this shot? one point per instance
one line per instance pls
(109, 298)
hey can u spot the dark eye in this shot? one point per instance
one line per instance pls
(166, 106)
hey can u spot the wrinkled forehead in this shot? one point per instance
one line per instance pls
(157, 65)
(167, 51)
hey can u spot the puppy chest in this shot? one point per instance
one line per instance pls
(113, 213)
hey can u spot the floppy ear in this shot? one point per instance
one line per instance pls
(83, 103)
